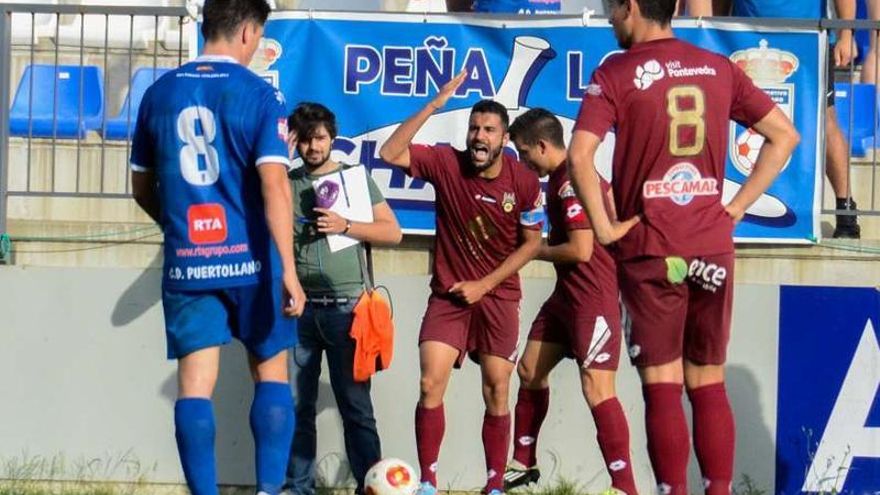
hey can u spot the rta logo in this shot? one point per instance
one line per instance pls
(709, 276)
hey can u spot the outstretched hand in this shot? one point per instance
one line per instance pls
(448, 90)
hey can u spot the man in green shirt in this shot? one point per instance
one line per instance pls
(332, 281)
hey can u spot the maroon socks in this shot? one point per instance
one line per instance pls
(496, 441)
(668, 438)
(531, 409)
(714, 436)
(430, 426)
(612, 432)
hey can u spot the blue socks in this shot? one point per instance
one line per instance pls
(272, 422)
(194, 430)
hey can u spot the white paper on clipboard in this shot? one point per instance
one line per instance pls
(353, 202)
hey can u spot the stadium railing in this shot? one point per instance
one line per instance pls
(858, 113)
(71, 138)
(66, 68)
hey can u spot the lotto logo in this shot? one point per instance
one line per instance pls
(525, 440)
(574, 210)
(207, 223)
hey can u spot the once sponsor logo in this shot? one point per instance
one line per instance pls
(708, 276)
(681, 184)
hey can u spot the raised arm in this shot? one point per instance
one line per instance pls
(585, 179)
(395, 150)
(780, 139)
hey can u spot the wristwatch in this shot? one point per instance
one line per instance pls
(347, 226)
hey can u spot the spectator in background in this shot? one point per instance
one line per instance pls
(505, 6)
(842, 54)
(695, 8)
(869, 62)
(333, 282)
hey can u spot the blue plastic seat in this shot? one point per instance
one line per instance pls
(122, 125)
(863, 100)
(64, 118)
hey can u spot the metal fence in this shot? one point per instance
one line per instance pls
(108, 48)
(92, 56)
(859, 155)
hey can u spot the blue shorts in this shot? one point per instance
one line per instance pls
(197, 320)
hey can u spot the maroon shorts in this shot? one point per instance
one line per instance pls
(591, 336)
(489, 327)
(676, 307)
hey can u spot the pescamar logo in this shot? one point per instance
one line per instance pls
(828, 415)
(681, 184)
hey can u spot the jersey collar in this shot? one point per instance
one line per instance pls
(216, 58)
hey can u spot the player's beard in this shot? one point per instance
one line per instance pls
(492, 155)
(315, 160)
(623, 40)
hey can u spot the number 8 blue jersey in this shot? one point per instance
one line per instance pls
(203, 129)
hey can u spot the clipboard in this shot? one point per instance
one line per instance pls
(351, 200)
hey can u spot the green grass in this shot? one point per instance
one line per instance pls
(560, 486)
(39, 475)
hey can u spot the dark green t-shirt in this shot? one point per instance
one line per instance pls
(319, 270)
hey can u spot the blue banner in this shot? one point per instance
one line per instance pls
(375, 70)
(828, 415)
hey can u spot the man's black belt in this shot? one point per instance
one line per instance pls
(328, 300)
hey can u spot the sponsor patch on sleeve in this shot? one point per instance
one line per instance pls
(532, 217)
(282, 129)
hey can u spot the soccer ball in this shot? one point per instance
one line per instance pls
(748, 145)
(391, 477)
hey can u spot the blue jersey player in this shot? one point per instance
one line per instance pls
(209, 164)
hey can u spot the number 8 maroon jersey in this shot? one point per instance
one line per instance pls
(670, 104)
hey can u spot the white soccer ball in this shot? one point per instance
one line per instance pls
(748, 145)
(391, 477)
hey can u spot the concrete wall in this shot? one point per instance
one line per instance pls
(83, 378)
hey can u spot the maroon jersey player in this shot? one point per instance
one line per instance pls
(670, 104)
(580, 319)
(489, 218)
